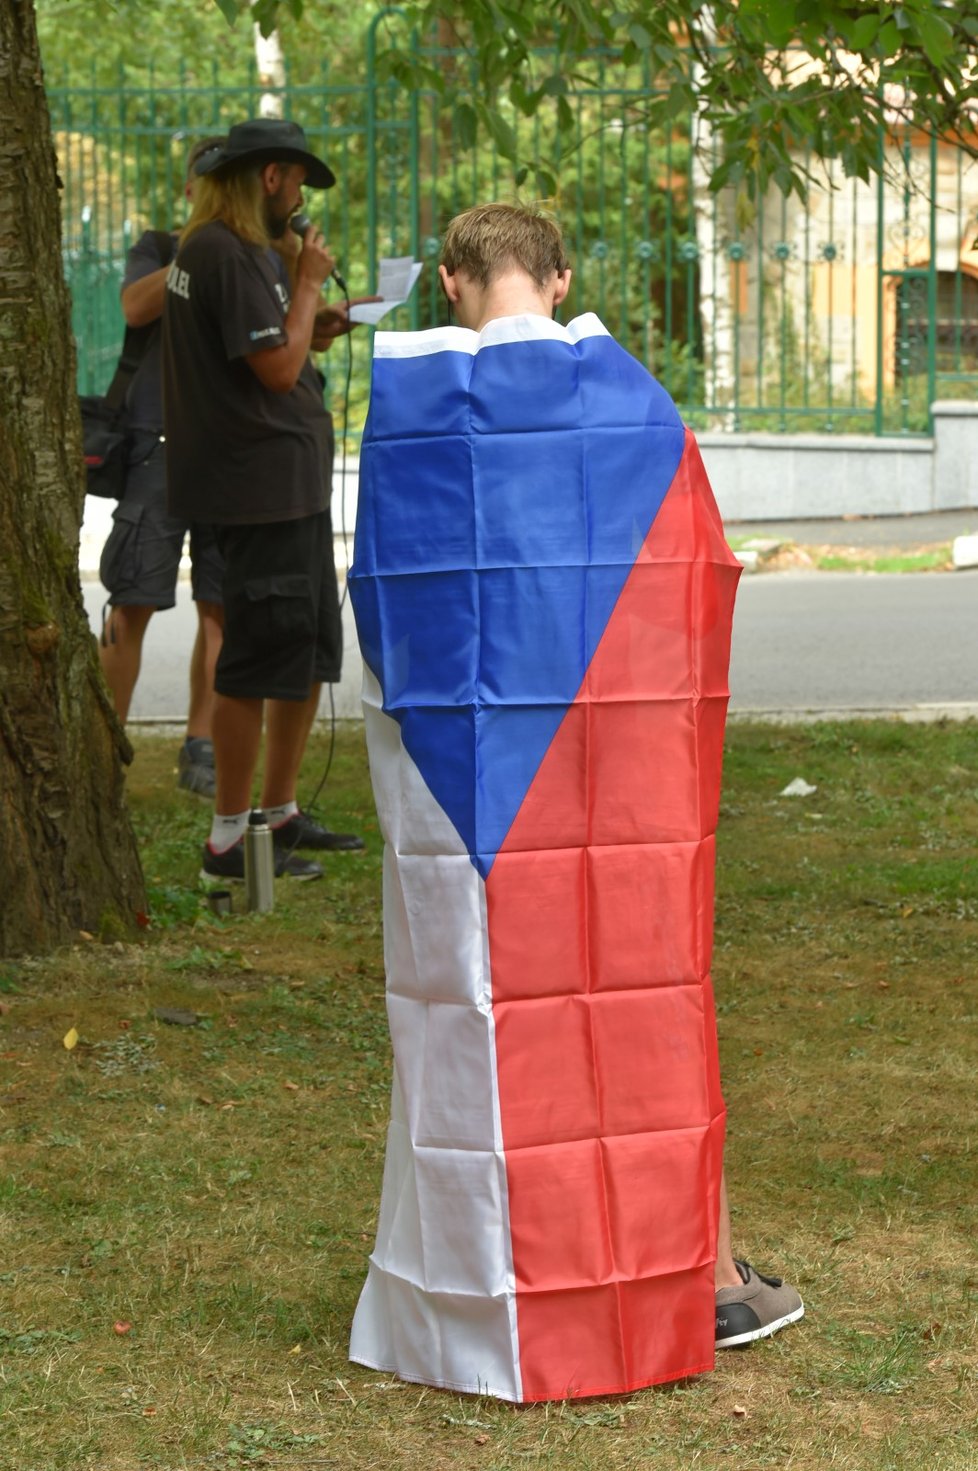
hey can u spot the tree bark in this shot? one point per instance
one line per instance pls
(68, 858)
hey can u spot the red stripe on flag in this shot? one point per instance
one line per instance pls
(600, 912)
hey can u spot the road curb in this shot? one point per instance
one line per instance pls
(921, 714)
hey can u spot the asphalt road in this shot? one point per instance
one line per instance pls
(818, 641)
(803, 642)
(907, 533)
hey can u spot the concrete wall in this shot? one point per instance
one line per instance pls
(955, 455)
(786, 477)
(794, 477)
(758, 477)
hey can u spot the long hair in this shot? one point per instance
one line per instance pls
(234, 196)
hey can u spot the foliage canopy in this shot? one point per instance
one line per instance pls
(775, 81)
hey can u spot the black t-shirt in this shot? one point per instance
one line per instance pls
(144, 401)
(236, 453)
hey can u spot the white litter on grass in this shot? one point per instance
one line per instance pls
(964, 551)
(798, 788)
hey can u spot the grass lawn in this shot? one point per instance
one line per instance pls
(774, 556)
(214, 1186)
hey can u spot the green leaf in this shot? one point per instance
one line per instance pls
(555, 86)
(863, 33)
(521, 175)
(902, 19)
(229, 9)
(640, 36)
(465, 125)
(889, 38)
(936, 36)
(565, 115)
(776, 20)
(503, 135)
(679, 100)
(546, 184)
(527, 102)
(265, 13)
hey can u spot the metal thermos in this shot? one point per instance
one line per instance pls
(259, 857)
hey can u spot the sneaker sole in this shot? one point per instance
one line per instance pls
(765, 1332)
(214, 880)
(202, 790)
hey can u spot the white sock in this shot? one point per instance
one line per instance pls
(278, 815)
(226, 831)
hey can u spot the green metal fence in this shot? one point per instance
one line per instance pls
(851, 313)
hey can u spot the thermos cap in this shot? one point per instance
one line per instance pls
(257, 818)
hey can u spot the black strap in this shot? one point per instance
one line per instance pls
(136, 342)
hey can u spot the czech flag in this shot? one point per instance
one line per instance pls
(543, 597)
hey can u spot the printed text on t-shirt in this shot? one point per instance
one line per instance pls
(178, 282)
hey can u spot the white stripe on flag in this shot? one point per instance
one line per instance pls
(439, 1304)
(526, 328)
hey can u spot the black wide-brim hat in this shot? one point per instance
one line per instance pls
(273, 140)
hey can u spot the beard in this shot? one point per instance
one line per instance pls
(277, 214)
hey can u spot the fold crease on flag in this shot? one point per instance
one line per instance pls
(543, 597)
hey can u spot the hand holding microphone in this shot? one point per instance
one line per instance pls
(313, 241)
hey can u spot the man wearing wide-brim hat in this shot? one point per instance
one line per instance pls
(250, 448)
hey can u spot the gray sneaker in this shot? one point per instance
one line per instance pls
(195, 767)
(756, 1310)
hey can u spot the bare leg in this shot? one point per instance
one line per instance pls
(236, 733)
(726, 1273)
(288, 725)
(120, 652)
(207, 646)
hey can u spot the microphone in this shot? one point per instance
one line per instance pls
(300, 224)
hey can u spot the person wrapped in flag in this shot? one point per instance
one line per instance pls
(543, 598)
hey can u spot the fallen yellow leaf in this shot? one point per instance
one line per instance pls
(296, 1350)
(70, 1039)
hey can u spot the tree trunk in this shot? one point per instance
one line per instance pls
(68, 858)
(270, 64)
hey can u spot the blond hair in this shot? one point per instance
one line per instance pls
(235, 197)
(492, 238)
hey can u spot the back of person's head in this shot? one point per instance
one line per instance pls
(202, 146)
(236, 197)
(492, 239)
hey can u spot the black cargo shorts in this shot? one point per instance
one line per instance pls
(282, 626)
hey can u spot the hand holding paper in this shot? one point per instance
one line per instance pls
(396, 281)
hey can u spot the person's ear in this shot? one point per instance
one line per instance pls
(562, 286)
(449, 285)
(271, 178)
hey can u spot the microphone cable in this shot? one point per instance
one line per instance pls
(311, 808)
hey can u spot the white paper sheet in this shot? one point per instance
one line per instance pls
(395, 282)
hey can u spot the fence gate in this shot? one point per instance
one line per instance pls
(849, 312)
